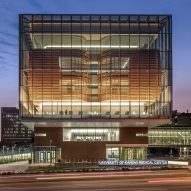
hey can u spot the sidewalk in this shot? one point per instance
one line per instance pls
(40, 164)
(16, 166)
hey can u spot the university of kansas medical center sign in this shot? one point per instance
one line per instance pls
(134, 163)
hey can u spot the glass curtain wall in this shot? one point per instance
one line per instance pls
(126, 153)
(95, 66)
(170, 136)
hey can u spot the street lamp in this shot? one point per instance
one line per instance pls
(12, 151)
(50, 151)
(19, 153)
(7, 153)
(3, 152)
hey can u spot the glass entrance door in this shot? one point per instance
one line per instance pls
(42, 157)
(46, 156)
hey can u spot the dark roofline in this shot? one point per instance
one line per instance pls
(76, 14)
(7, 109)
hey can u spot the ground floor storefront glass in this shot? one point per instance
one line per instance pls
(126, 153)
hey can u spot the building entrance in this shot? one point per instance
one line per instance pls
(46, 154)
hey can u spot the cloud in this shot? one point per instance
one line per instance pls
(2, 57)
(7, 63)
(5, 67)
(8, 34)
(9, 53)
(15, 25)
(36, 5)
(7, 43)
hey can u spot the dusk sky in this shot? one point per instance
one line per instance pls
(180, 10)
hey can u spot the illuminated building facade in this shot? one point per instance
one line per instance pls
(92, 85)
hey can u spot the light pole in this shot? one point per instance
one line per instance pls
(3, 152)
(19, 153)
(7, 153)
(12, 149)
(50, 151)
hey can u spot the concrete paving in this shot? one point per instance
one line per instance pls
(16, 166)
(20, 166)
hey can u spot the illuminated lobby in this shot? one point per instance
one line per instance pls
(92, 85)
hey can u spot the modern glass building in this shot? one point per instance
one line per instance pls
(95, 81)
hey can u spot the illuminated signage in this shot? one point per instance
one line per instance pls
(134, 163)
(141, 135)
(40, 134)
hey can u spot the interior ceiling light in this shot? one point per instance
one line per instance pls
(78, 103)
(90, 46)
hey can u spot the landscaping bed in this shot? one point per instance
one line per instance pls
(58, 169)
